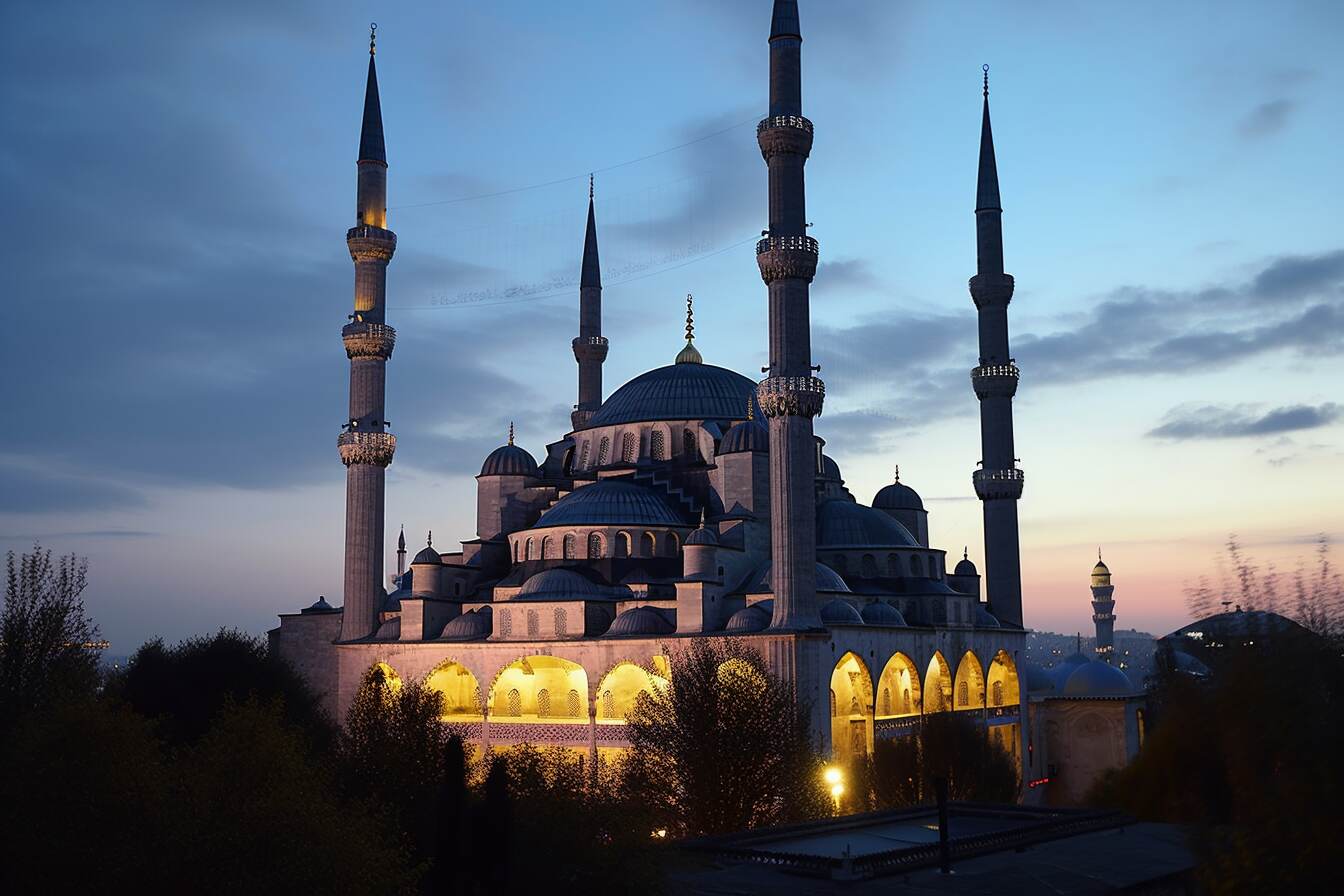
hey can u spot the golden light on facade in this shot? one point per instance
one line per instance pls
(834, 779)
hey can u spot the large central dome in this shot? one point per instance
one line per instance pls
(679, 392)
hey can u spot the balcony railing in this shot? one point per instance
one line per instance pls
(997, 370)
(787, 244)
(784, 121)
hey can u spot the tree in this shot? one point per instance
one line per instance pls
(947, 745)
(725, 747)
(45, 638)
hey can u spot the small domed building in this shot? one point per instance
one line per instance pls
(691, 501)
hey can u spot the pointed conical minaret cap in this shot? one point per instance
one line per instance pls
(591, 272)
(371, 148)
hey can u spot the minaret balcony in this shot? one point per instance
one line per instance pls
(369, 243)
(995, 380)
(590, 348)
(991, 290)
(374, 448)
(791, 134)
(366, 341)
(787, 257)
(791, 396)
(994, 484)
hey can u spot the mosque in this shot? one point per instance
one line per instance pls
(691, 502)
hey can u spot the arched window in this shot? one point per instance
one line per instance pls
(505, 624)
(608, 705)
(547, 548)
(517, 550)
(671, 544)
(583, 455)
(533, 624)
(963, 694)
(658, 445)
(996, 693)
(646, 546)
(561, 622)
(544, 703)
(571, 546)
(868, 567)
(603, 449)
(689, 446)
(530, 555)
(832, 703)
(893, 566)
(514, 706)
(916, 566)
(623, 547)
(573, 704)
(629, 447)
(594, 546)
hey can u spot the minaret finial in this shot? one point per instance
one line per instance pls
(1098, 553)
(966, 552)
(590, 185)
(429, 539)
(510, 432)
(690, 317)
(690, 354)
(373, 28)
(751, 414)
(985, 67)
(897, 470)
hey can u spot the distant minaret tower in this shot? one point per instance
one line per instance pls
(1103, 609)
(998, 482)
(590, 346)
(790, 396)
(366, 446)
(401, 553)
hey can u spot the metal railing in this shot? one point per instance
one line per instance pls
(784, 121)
(787, 243)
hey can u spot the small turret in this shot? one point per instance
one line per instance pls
(700, 554)
(426, 569)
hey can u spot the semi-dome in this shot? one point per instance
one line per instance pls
(827, 579)
(749, 435)
(509, 460)
(1039, 680)
(1097, 679)
(679, 392)
(638, 621)
(881, 613)
(840, 612)
(844, 524)
(472, 625)
(748, 619)
(610, 502)
(897, 496)
(984, 618)
(563, 584)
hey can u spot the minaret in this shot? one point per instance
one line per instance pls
(998, 482)
(401, 553)
(790, 396)
(365, 445)
(590, 346)
(1103, 609)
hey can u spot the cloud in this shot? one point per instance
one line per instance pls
(1219, 422)
(28, 487)
(846, 274)
(1266, 119)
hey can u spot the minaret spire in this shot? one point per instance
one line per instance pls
(1103, 609)
(998, 482)
(590, 346)
(790, 396)
(366, 446)
(690, 354)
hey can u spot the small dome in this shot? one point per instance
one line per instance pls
(842, 524)
(985, 619)
(428, 555)
(702, 536)
(749, 435)
(748, 619)
(1097, 679)
(1066, 667)
(965, 567)
(827, 580)
(509, 460)
(472, 625)
(640, 621)
(830, 470)
(689, 354)
(840, 612)
(898, 497)
(1039, 680)
(610, 502)
(1101, 575)
(562, 584)
(319, 606)
(679, 392)
(881, 613)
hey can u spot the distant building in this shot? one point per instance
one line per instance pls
(1200, 646)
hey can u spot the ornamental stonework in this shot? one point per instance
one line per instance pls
(368, 341)
(991, 290)
(538, 733)
(590, 348)
(369, 243)
(791, 396)
(995, 380)
(991, 485)
(787, 257)
(373, 448)
(784, 134)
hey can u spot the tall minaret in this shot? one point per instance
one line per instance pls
(590, 346)
(1103, 609)
(998, 482)
(366, 446)
(790, 396)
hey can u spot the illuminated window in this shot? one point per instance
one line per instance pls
(623, 544)
(530, 554)
(963, 694)
(583, 456)
(544, 703)
(996, 693)
(506, 624)
(514, 705)
(547, 548)
(905, 701)
(608, 705)
(573, 704)
(886, 701)
(833, 713)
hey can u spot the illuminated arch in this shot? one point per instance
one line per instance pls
(390, 676)
(898, 692)
(970, 683)
(1002, 681)
(852, 721)
(459, 688)
(937, 685)
(526, 690)
(624, 546)
(621, 687)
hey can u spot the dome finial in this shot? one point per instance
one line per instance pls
(897, 470)
(510, 432)
(985, 68)
(429, 539)
(751, 414)
(690, 354)
(373, 28)
(1098, 553)
(966, 552)
(690, 317)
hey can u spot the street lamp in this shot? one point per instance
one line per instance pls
(836, 781)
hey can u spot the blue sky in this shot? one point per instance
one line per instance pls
(179, 180)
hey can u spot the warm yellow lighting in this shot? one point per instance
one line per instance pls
(660, 833)
(836, 791)
(832, 776)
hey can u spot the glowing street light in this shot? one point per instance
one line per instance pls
(836, 781)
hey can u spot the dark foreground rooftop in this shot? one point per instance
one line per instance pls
(994, 849)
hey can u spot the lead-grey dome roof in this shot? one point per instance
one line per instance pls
(679, 392)
(640, 621)
(1066, 667)
(843, 523)
(1039, 680)
(509, 460)
(749, 435)
(827, 579)
(840, 612)
(428, 555)
(470, 626)
(748, 619)
(611, 503)
(898, 496)
(985, 619)
(881, 613)
(1097, 679)
(565, 584)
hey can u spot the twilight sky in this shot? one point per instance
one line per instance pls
(179, 178)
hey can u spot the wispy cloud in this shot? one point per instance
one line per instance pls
(1267, 119)
(1238, 421)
